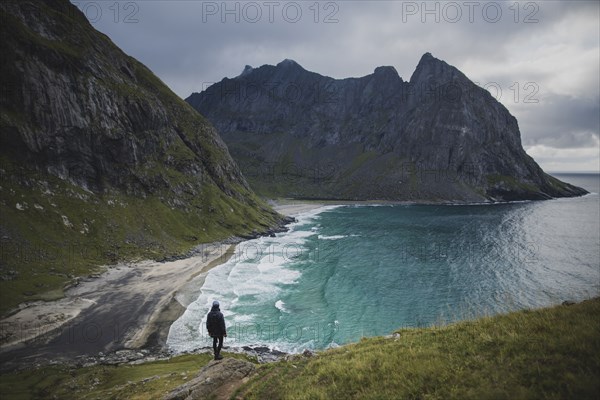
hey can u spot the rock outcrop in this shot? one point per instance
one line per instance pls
(437, 137)
(218, 379)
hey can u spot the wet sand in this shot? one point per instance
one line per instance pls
(129, 306)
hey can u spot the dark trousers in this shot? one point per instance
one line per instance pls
(217, 349)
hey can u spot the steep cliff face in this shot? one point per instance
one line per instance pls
(99, 157)
(438, 137)
(80, 107)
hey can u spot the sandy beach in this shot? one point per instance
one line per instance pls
(128, 306)
(292, 208)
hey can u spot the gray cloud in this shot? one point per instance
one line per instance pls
(573, 122)
(552, 44)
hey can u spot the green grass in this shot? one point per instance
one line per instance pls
(556, 183)
(183, 191)
(143, 381)
(511, 183)
(549, 354)
(42, 251)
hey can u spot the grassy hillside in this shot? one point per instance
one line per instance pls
(131, 382)
(99, 160)
(550, 353)
(56, 231)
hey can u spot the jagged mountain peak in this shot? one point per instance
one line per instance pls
(289, 63)
(286, 69)
(433, 71)
(387, 72)
(428, 56)
(247, 69)
(428, 59)
(369, 129)
(386, 69)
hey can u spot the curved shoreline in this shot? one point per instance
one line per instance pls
(126, 307)
(130, 306)
(155, 334)
(176, 307)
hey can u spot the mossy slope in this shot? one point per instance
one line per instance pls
(99, 160)
(550, 353)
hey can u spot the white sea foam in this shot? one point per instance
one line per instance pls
(280, 305)
(257, 272)
(313, 214)
(335, 237)
(485, 203)
(242, 318)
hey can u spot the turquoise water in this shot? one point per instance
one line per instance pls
(345, 272)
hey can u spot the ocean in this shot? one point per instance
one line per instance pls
(345, 272)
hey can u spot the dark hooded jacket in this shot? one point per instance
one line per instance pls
(215, 323)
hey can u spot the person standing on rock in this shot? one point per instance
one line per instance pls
(215, 325)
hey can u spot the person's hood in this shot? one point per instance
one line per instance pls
(215, 308)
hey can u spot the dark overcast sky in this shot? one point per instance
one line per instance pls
(540, 59)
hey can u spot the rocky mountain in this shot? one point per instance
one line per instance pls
(100, 161)
(437, 137)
